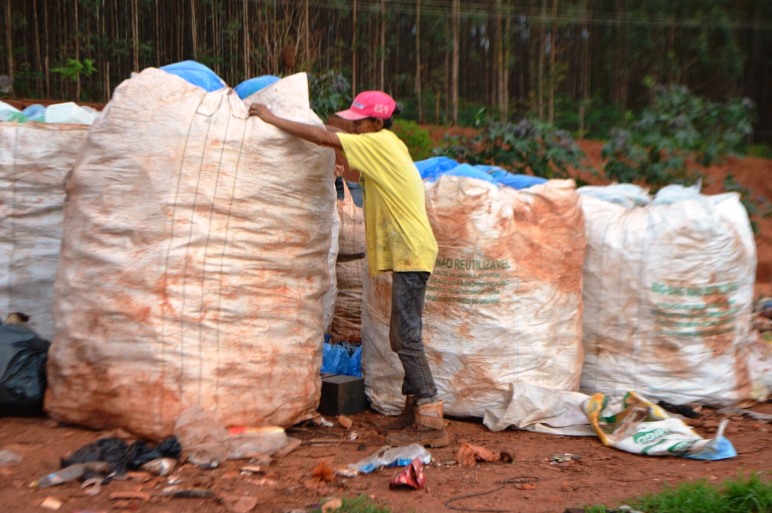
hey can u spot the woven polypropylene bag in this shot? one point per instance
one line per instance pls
(34, 160)
(194, 261)
(503, 305)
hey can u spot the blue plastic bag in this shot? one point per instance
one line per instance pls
(342, 358)
(197, 74)
(253, 85)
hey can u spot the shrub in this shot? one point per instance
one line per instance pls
(679, 128)
(528, 147)
(330, 93)
(415, 138)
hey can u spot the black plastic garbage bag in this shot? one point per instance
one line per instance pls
(23, 356)
(121, 456)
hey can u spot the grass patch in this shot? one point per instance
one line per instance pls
(741, 495)
(360, 504)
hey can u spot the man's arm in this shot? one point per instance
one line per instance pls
(310, 133)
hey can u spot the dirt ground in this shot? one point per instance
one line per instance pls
(300, 480)
(534, 482)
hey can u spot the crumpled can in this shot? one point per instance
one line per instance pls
(411, 476)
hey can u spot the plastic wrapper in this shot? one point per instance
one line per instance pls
(641, 427)
(392, 457)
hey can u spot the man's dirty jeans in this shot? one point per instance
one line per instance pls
(407, 305)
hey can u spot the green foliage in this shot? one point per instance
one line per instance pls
(757, 206)
(360, 504)
(415, 138)
(740, 495)
(330, 93)
(760, 150)
(528, 147)
(75, 68)
(677, 129)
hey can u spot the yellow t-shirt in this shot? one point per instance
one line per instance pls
(398, 234)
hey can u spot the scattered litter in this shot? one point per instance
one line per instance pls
(557, 459)
(321, 421)
(346, 472)
(324, 472)
(51, 503)
(121, 456)
(411, 476)
(252, 469)
(9, 458)
(70, 473)
(641, 427)
(345, 421)
(470, 454)
(207, 443)
(353, 435)
(92, 486)
(507, 457)
(392, 457)
(680, 409)
(160, 466)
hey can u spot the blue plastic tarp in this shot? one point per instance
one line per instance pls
(253, 85)
(434, 167)
(196, 74)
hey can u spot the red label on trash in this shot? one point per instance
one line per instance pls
(411, 476)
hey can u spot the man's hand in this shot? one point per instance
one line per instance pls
(260, 110)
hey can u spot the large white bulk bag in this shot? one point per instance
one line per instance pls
(34, 160)
(195, 258)
(668, 292)
(503, 305)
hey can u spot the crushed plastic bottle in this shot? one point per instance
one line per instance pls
(392, 457)
(70, 473)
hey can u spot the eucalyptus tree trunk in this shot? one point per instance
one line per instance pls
(586, 68)
(540, 62)
(77, 49)
(418, 61)
(354, 49)
(193, 29)
(456, 28)
(382, 46)
(9, 40)
(553, 81)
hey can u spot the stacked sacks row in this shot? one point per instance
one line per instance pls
(179, 272)
(544, 294)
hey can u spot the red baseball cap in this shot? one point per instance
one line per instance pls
(369, 104)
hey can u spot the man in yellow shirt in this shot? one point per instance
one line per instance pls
(398, 239)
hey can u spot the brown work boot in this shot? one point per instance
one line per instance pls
(428, 429)
(404, 419)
